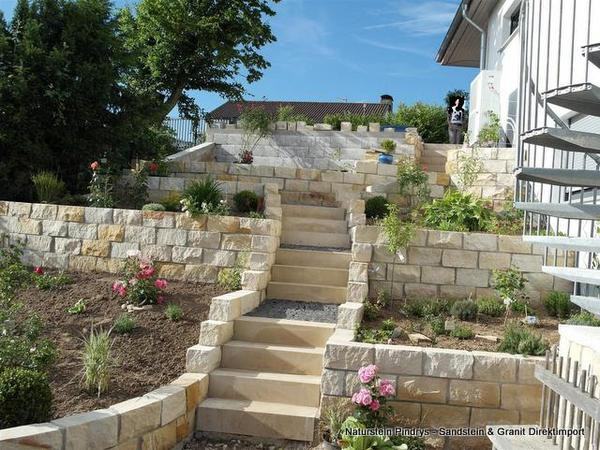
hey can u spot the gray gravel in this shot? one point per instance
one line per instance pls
(220, 441)
(288, 309)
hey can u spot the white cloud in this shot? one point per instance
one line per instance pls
(425, 18)
(400, 48)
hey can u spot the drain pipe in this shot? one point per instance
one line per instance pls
(483, 50)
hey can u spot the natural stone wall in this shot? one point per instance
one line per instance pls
(440, 387)
(448, 264)
(99, 239)
(160, 419)
(496, 180)
(298, 145)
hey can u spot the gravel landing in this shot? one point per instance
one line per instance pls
(314, 249)
(292, 310)
(219, 441)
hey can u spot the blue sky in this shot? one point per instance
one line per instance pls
(355, 50)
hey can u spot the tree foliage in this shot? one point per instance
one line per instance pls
(430, 120)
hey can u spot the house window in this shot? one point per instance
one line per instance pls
(514, 21)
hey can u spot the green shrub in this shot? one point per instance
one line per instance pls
(437, 325)
(508, 221)
(388, 146)
(425, 307)
(383, 298)
(172, 202)
(246, 201)
(48, 282)
(376, 207)
(203, 197)
(489, 134)
(48, 187)
(97, 361)
(412, 179)
(519, 340)
(77, 308)
(457, 212)
(371, 336)
(25, 397)
(464, 310)
(430, 120)
(509, 283)
(124, 324)
(584, 318)
(174, 312)
(558, 304)
(288, 114)
(153, 207)
(491, 306)
(371, 310)
(388, 325)
(462, 332)
(231, 277)
(335, 120)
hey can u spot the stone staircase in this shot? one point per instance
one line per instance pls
(268, 383)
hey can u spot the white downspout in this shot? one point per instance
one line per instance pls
(483, 50)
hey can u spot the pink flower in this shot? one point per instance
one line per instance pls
(374, 406)
(95, 165)
(133, 281)
(145, 272)
(386, 388)
(119, 288)
(153, 167)
(365, 397)
(160, 284)
(38, 270)
(367, 374)
(160, 299)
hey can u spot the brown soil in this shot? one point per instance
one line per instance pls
(151, 356)
(487, 326)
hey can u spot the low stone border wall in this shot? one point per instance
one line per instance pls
(158, 420)
(99, 239)
(439, 387)
(447, 264)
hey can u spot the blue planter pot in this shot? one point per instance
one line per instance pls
(386, 159)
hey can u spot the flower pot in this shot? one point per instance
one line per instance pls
(384, 158)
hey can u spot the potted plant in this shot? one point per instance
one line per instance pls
(333, 417)
(387, 147)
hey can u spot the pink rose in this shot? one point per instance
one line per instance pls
(365, 397)
(386, 388)
(160, 284)
(38, 270)
(146, 273)
(95, 165)
(367, 374)
(133, 281)
(119, 288)
(374, 406)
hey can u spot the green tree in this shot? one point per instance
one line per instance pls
(430, 120)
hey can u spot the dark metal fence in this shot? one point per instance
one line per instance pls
(187, 132)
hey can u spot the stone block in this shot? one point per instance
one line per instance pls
(445, 239)
(138, 416)
(447, 363)
(353, 178)
(444, 415)
(369, 167)
(348, 356)
(382, 254)
(201, 273)
(162, 253)
(108, 265)
(474, 393)
(422, 389)
(43, 211)
(481, 241)
(54, 261)
(457, 292)
(265, 244)
(98, 215)
(255, 280)
(308, 174)
(296, 185)
(388, 170)
(39, 435)
(399, 359)
(95, 429)
(71, 213)
(204, 239)
(187, 255)
(163, 438)
(513, 244)
(472, 277)
(358, 272)
(332, 176)
(223, 224)
(274, 213)
(349, 315)
(173, 402)
(424, 256)
(202, 359)
(215, 332)
(492, 367)
(166, 236)
(219, 258)
(237, 242)
(24, 225)
(528, 263)
(403, 273)
(265, 227)
(171, 271)
(113, 233)
(82, 263)
(368, 234)
(420, 290)
(123, 249)
(332, 382)
(521, 397)
(225, 308)
(196, 388)
(4, 207)
(83, 231)
(285, 172)
(357, 292)
(39, 243)
(171, 184)
(127, 217)
(482, 417)
(67, 246)
(527, 369)
(95, 248)
(158, 219)
(459, 258)
(186, 222)
(437, 275)
(494, 260)
(356, 219)
(55, 228)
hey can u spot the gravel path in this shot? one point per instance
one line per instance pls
(288, 309)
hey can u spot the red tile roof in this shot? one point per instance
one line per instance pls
(314, 110)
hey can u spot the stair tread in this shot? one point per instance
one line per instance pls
(327, 286)
(253, 406)
(575, 274)
(591, 304)
(303, 323)
(268, 376)
(560, 177)
(563, 210)
(564, 139)
(287, 348)
(594, 54)
(332, 269)
(581, 97)
(315, 250)
(565, 242)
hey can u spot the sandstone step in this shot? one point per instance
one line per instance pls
(253, 418)
(309, 198)
(306, 292)
(314, 225)
(334, 240)
(318, 212)
(313, 258)
(282, 331)
(272, 358)
(303, 390)
(433, 160)
(312, 275)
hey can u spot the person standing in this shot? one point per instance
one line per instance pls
(456, 120)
